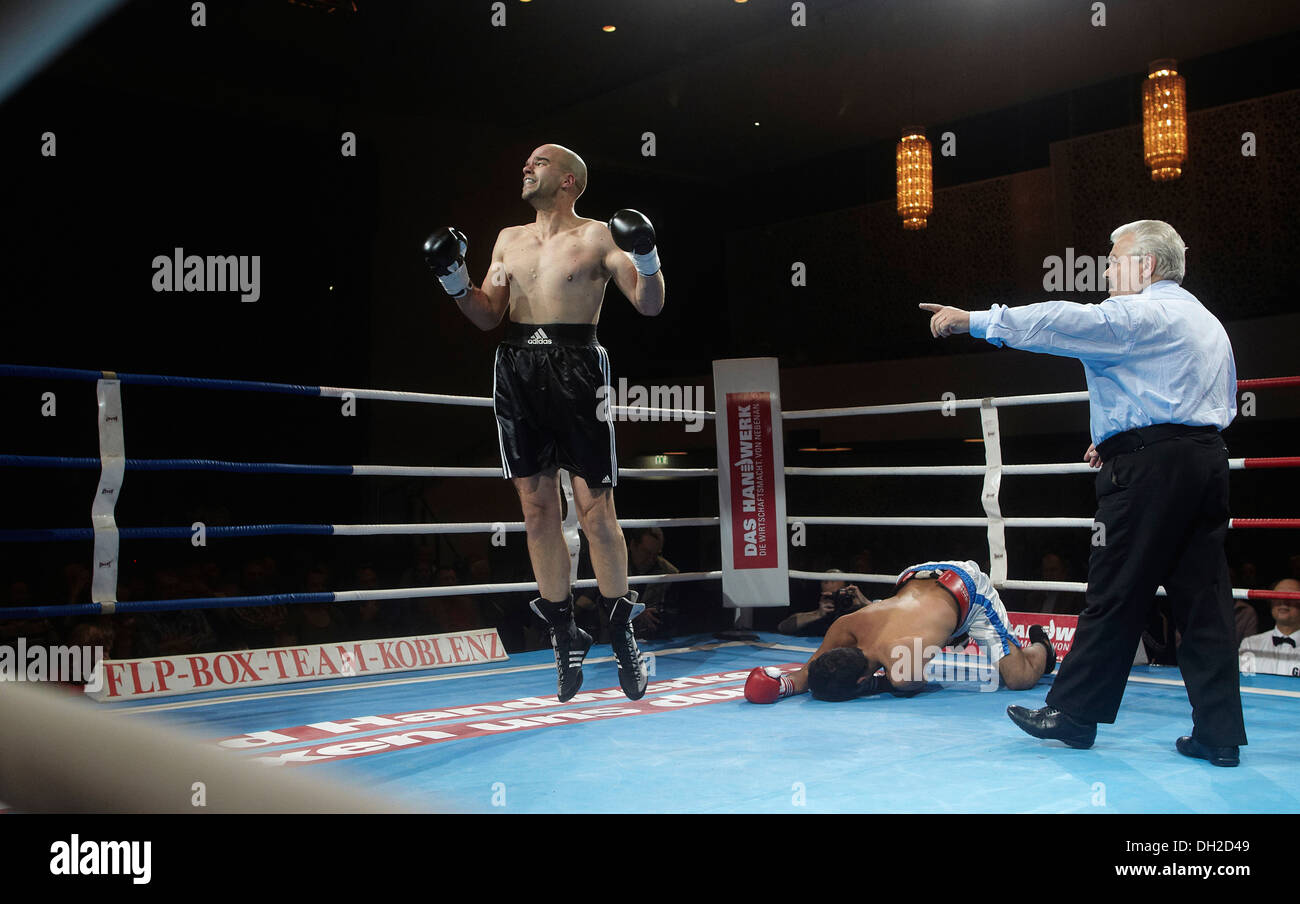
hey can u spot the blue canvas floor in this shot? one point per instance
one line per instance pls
(700, 747)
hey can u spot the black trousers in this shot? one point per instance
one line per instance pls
(1162, 499)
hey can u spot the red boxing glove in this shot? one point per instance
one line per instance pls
(767, 685)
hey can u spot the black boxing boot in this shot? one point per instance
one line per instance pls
(632, 675)
(569, 642)
(1037, 634)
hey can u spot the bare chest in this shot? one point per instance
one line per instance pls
(531, 262)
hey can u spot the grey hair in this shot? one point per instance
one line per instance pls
(1157, 238)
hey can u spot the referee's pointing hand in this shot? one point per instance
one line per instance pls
(946, 321)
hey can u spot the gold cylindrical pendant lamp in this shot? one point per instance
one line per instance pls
(915, 178)
(1164, 120)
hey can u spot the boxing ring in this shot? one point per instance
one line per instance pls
(492, 737)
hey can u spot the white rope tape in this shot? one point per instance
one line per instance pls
(997, 534)
(112, 468)
(569, 526)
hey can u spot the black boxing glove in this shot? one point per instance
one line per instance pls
(444, 252)
(633, 233)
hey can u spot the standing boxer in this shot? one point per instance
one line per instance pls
(550, 276)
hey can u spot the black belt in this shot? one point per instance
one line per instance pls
(541, 335)
(1141, 437)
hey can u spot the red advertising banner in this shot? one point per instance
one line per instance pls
(168, 675)
(753, 487)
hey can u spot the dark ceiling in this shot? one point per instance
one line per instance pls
(697, 74)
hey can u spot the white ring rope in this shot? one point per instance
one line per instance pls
(404, 471)
(921, 521)
(1068, 586)
(950, 405)
(490, 527)
(400, 593)
(430, 398)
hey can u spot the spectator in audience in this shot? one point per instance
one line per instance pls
(257, 627)
(837, 598)
(863, 563)
(1053, 567)
(445, 614)
(371, 619)
(76, 583)
(319, 622)
(502, 611)
(421, 572)
(645, 556)
(1275, 652)
(1245, 575)
(662, 616)
(1247, 619)
(367, 622)
(136, 636)
(182, 631)
(35, 630)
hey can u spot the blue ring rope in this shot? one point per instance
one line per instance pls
(51, 534)
(175, 464)
(67, 373)
(215, 602)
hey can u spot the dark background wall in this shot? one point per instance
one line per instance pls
(225, 140)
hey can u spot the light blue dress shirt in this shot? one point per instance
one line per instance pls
(1157, 357)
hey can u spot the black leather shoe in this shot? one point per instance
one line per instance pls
(1219, 756)
(1054, 725)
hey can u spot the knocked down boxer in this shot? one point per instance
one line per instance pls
(934, 604)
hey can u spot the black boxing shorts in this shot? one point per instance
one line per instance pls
(549, 404)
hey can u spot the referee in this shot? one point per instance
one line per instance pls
(1162, 383)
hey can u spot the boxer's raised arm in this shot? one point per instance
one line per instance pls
(487, 305)
(633, 260)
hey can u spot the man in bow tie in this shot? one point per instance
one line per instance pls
(1274, 652)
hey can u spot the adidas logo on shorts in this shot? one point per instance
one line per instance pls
(540, 338)
(606, 480)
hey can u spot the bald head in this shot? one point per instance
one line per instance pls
(571, 163)
(556, 172)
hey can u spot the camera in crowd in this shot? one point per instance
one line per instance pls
(845, 601)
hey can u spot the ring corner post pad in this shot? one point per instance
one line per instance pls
(112, 458)
(751, 484)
